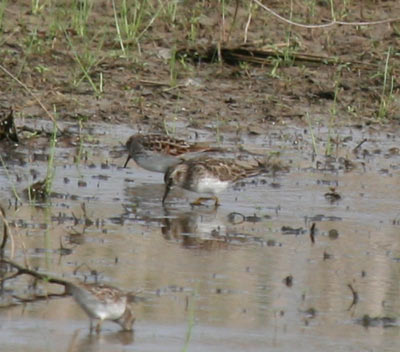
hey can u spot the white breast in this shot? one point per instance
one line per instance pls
(211, 185)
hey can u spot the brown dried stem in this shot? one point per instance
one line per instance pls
(23, 85)
(330, 24)
(22, 270)
(6, 232)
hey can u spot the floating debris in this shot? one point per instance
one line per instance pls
(287, 230)
(332, 195)
(333, 234)
(355, 296)
(312, 233)
(385, 322)
(322, 217)
(37, 191)
(288, 281)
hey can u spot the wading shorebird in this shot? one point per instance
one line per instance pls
(156, 152)
(99, 301)
(208, 175)
(103, 302)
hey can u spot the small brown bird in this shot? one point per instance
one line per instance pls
(99, 301)
(207, 175)
(103, 302)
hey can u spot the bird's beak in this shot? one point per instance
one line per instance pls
(126, 162)
(167, 189)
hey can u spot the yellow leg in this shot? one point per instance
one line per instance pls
(98, 326)
(201, 200)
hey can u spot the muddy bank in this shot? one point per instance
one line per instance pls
(340, 75)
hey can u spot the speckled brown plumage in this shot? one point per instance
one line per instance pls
(208, 175)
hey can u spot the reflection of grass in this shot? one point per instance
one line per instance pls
(50, 164)
(81, 140)
(314, 143)
(41, 190)
(13, 188)
(332, 119)
(191, 308)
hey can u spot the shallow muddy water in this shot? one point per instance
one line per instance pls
(244, 277)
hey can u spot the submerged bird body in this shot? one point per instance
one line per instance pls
(156, 152)
(207, 175)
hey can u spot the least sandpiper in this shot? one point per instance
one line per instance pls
(156, 152)
(103, 302)
(207, 175)
(99, 301)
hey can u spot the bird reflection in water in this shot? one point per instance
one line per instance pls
(202, 230)
(93, 342)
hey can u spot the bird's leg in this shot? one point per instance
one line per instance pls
(201, 200)
(127, 160)
(98, 326)
(216, 204)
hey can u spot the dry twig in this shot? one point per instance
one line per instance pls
(330, 24)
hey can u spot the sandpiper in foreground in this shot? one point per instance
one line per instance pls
(99, 301)
(103, 302)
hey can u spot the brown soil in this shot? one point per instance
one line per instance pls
(238, 95)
